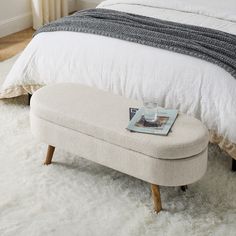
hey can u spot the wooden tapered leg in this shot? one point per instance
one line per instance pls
(156, 197)
(233, 164)
(49, 156)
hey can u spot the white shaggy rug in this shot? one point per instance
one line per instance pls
(77, 197)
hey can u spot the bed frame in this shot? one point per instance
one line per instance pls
(183, 188)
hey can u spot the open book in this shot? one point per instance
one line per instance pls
(161, 126)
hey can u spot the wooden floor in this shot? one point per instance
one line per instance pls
(14, 43)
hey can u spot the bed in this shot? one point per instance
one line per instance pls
(193, 86)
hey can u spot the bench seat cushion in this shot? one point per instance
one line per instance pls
(104, 116)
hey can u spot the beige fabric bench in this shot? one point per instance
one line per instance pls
(92, 123)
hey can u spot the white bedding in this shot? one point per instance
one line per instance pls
(191, 85)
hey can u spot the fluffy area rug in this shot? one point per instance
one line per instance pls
(74, 196)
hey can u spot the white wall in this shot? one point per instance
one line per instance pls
(75, 5)
(82, 4)
(15, 15)
(72, 5)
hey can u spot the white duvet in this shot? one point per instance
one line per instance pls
(191, 85)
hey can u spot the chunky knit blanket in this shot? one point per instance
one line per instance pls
(207, 44)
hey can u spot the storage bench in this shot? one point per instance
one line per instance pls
(92, 123)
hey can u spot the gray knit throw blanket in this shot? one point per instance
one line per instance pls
(207, 44)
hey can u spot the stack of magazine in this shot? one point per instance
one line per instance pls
(161, 126)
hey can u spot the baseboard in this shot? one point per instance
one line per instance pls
(15, 24)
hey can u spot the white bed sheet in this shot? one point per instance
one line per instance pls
(193, 86)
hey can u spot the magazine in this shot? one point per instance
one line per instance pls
(161, 126)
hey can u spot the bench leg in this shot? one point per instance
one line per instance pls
(156, 197)
(184, 188)
(233, 164)
(49, 156)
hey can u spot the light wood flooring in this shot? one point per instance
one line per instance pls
(14, 43)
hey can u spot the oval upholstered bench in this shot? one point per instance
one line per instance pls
(92, 123)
